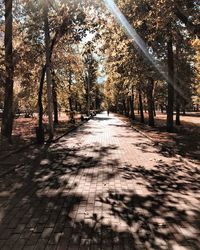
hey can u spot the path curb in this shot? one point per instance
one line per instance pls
(66, 133)
(20, 149)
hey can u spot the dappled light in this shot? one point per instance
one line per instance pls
(100, 125)
(89, 190)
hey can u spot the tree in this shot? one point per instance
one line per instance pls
(48, 69)
(7, 121)
(170, 104)
(90, 74)
(150, 101)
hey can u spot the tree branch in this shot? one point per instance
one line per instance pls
(194, 29)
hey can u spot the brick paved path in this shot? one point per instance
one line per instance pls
(102, 187)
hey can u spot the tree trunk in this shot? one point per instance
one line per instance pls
(161, 109)
(124, 111)
(7, 120)
(70, 104)
(141, 106)
(70, 98)
(88, 95)
(150, 101)
(55, 99)
(132, 103)
(76, 105)
(170, 106)
(48, 70)
(40, 129)
(184, 107)
(178, 122)
(128, 106)
(154, 108)
(145, 107)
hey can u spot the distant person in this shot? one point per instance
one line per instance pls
(108, 111)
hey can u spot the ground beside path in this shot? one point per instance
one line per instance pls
(24, 133)
(185, 140)
(104, 186)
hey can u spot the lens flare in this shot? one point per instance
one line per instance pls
(140, 44)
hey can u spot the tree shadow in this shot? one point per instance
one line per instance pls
(41, 205)
(119, 125)
(103, 118)
(163, 210)
(184, 141)
(73, 198)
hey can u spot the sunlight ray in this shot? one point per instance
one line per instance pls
(140, 44)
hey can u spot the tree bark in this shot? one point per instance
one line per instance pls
(141, 105)
(170, 105)
(88, 94)
(40, 93)
(128, 106)
(48, 70)
(40, 129)
(132, 103)
(150, 101)
(7, 120)
(154, 108)
(178, 122)
(55, 99)
(76, 105)
(124, 111)
(184, 107)
(161, 108)
(70, 98)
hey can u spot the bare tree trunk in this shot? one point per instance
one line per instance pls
(48, 69)
(128, 106)
(141, 105)
(76, 105)
(162, 108)
(40, 129)
(70, 98)
(154, 108)
(184, 112)
(145, 106)
(55, 100)
(7, 121)
(150, 102)
(132, 103)
(124, 111)
(170, 106)
(178, 122)
(88, 95)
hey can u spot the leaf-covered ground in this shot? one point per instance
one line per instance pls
(24, 131)
(186, 138)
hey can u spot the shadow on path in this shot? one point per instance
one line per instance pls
(83, 197)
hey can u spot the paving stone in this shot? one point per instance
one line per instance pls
(105, 187)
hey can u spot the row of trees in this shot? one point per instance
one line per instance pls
(48, 61)
(168, 32)
(51, 53)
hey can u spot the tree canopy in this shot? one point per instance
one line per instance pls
(54, 53)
